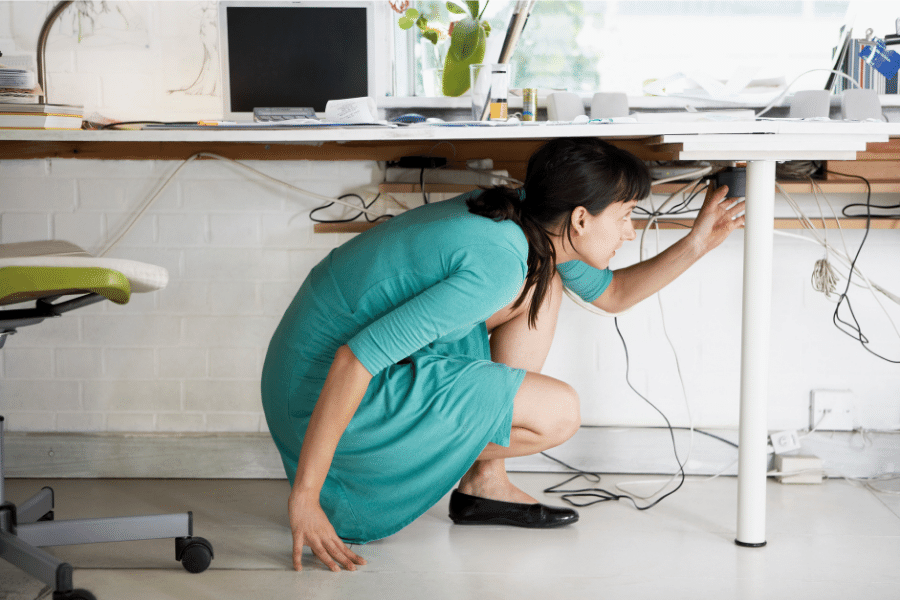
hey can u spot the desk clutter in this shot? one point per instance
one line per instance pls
(19, 108)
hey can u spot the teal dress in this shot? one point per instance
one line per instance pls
(410, 298)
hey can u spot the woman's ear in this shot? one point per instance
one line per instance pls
(578, 218)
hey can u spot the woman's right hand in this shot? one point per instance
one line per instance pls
(310, 527)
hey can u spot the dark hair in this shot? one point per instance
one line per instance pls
(562, 175)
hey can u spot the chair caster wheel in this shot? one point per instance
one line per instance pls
(195, 553)
(74, 595)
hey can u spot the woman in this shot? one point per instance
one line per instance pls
(409, 360)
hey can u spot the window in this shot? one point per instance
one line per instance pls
(589, 46)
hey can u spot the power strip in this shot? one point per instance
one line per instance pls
(799, 468)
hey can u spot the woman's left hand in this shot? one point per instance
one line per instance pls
(718, 217)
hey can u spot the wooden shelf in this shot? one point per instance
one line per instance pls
(791, 187)
(854, 223)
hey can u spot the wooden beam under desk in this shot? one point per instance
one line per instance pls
(505, 153)
(684, 224)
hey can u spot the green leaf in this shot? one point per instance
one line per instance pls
(422, 23)
(456, 9)
(465, 38)
(411, 13)
(473, 6)
(487, 28)
(456, 69)
(405, 23)
(431, 36)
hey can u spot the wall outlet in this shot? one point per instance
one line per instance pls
(785, 441)
(831, 410)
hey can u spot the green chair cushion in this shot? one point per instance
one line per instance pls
(20, 284)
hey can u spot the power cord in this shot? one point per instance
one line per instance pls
(788, 87)
(853, 329)
(600, 494)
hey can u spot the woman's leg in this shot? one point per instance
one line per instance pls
(546, 410)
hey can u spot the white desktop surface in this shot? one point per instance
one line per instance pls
(760, 143)
(539, 130)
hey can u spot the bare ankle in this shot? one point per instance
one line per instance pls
(488, 479)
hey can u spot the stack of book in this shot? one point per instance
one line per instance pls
(17, 115)
(19, 93)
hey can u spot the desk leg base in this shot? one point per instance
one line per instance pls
(749, 545)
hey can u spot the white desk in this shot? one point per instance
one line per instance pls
(760, 143)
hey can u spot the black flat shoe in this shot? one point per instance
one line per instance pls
(471, 510)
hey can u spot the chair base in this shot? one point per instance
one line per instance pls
(25, 529)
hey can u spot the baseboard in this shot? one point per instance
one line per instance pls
(253, 456)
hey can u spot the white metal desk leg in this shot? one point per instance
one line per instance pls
(757, 308)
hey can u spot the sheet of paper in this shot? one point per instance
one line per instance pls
(351, 110)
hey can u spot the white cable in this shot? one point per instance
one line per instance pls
(168, 181)
(844, 258)
(784, 93)
(699, 173)
(622, 486)
(590, 307)
(650, 222)
(687, 405)
(495, 175)
(731, 464)
(145, 206)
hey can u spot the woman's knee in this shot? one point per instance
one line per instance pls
(549, 407)
(568, 413)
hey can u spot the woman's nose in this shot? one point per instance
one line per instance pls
(630, 233)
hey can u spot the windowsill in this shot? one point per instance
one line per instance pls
(634, 102)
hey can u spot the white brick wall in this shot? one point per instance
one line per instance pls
(188, 358)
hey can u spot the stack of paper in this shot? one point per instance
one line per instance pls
(18, 82)
(15, 115)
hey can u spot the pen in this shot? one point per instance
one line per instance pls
(216, 123)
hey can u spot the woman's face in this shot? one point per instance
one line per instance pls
(597, 237)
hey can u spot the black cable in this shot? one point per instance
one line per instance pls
(422, 185)
(867, 205)
(682, 208)
(114, 125)
(353, 218)
(854, 330)
(599, 494)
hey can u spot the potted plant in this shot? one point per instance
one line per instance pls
(468, 40)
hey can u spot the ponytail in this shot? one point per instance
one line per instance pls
(505, 204)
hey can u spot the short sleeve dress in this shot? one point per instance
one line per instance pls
(410, 298)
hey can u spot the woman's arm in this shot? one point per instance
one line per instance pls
(715, 222)
(344, 389)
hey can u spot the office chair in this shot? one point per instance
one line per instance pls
(46, 273)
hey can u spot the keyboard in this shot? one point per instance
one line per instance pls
(269, 115)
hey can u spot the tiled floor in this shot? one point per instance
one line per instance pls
(835, 540)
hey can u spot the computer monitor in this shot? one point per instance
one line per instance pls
(295, 54)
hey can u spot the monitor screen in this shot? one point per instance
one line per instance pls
(294, 54)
